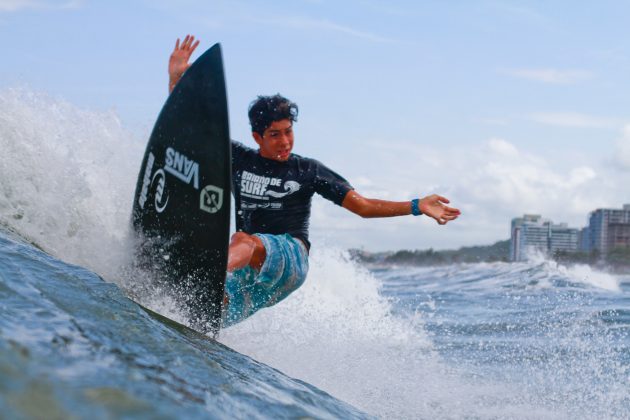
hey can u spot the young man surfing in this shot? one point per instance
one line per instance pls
(273, 187)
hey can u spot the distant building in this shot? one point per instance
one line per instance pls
(533, 234)
(584, 239)
(618, 235)
(530, 234)
(563, 239)
(607, 229)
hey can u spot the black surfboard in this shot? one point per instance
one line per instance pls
(181, 209)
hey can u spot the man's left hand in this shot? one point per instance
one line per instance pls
(435, 207)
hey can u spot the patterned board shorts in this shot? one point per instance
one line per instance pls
(284, 271)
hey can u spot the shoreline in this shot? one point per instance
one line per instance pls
(617, 263)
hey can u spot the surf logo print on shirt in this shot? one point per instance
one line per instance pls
(289, 188)
(261, 188)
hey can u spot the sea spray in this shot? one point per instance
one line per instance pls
(339, 333)
(67, 178)
(528, 340)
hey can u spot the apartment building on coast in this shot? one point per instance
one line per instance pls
(607, 229)
(532, 234)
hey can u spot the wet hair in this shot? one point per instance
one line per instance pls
(264, 110)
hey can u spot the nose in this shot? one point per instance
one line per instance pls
(285, 139)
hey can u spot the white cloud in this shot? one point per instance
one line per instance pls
(295, 22)
(573, 119)
(502, 147)
(15, 5)
(362, 181)
(491, 182)
(622, 155)
(553, 76)
(581, 175)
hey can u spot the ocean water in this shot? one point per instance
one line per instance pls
(531, 340)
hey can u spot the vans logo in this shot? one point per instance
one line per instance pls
(178, 165)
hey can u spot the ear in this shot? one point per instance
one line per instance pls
(257, 138)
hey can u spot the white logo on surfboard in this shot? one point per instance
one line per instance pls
(211, 199)
(181, 167)
(160, 200)
(146, 180)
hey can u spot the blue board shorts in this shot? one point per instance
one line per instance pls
(284, 271)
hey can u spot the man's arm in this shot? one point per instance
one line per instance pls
(433, 206)
(178, 62)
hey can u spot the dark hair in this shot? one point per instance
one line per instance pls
(264, 110)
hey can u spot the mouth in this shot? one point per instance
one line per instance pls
(284, 154)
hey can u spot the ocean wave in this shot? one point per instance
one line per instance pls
(72, 344)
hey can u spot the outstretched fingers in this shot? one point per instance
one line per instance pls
(188, 45)
(187, 41)
(435, 207)
(452, 211)
(192, 49)
(447, 214)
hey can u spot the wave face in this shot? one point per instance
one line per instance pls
(534, 340)
(72, 345)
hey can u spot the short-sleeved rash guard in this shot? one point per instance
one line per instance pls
(275, 197)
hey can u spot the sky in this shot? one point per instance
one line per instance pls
(504, 107)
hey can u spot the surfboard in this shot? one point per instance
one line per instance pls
(181, 208)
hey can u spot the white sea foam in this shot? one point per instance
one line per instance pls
(578, 273)
(67, 178)
(339, 334)
(585, 274)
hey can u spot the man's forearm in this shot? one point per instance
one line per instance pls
(372, 207)
(384, 208)
(433, 206)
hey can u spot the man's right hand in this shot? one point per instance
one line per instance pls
(178, 62)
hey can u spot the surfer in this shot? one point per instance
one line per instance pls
(273, 187)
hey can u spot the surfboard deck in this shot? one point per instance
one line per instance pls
(181, 208)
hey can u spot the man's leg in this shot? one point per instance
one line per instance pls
(245, 250)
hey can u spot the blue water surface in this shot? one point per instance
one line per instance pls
(74, 346)
(535, 340)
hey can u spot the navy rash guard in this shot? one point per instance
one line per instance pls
(275, 197)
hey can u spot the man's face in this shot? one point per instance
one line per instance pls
(277, 141)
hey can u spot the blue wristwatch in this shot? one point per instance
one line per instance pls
(415, 207)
